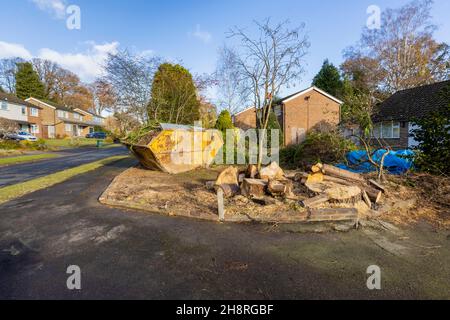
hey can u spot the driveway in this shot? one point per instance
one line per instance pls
(69, 158)
(126, 254)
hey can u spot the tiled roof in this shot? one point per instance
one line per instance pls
(413, 103)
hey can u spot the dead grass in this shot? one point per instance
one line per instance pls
(417, 197)
(186, 195)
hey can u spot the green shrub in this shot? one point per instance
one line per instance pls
(326, 147)
(9, 145)
(224, 121)
(40, 145)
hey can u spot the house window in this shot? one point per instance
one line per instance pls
(277, 111)
(63, 114)
(386, 130)
(34, 112)
(34, 128)
(68, 127)
(4, 106)
(77, 116)
(24, 111)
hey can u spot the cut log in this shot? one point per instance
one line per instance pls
(251, 172)
(338, 180)
(344, 194)
(315, 178)
(271, 172)
(280, 187)
(340, 173)
(253, 188)
(317, 168)
(338, 214)
(228, 181)
(374, 195)
(377, 185)
(313, 202)
(367, 199)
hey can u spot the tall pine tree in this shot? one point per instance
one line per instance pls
(28, 83)
(329, 79)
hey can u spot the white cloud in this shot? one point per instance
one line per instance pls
(57, 8)
(13, 50)
(200, 34)
(87, 65)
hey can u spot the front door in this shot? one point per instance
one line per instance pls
(75, 131)
(51, 132)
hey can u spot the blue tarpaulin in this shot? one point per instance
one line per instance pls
(396, 162)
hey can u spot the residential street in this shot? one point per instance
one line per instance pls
(69, 158)
(129, 254)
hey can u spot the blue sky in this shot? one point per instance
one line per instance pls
(191, 31)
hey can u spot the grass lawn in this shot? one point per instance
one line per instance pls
(10, 153)
(20, 159)
(68, 143)
(18, 190)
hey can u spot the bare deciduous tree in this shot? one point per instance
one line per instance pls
(403, 52)
(7, 126)
(105, 99)
(8, 68)
(267, 63)
(231, 92)
(131, 78)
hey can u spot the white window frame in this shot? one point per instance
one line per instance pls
(34, 128)
(23, 111)
(68, 127)
(34, 112)
(63, 114)
(378, 130)
(4, 106)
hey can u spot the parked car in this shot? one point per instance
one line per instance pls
(96, 135)
(21, 136)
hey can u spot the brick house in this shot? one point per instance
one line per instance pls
(59, 121)
(393, 118)
(298, 113)
(26, 115)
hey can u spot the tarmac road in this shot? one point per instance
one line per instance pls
(70, 158)
(126, 254)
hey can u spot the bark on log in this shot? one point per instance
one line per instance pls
(340, 173)
(253, 187)
(312, 202)
(338, 180)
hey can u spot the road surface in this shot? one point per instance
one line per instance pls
(70, 158)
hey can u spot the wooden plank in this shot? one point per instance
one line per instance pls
(366, 199)
(374, 195)
(332, 214)
(220, 204)
(377, 185)
(312, 202)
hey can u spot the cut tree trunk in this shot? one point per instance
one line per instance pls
(340, 173)
(228, 181)
(313, 202)
(253, 187)
(271, 172)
